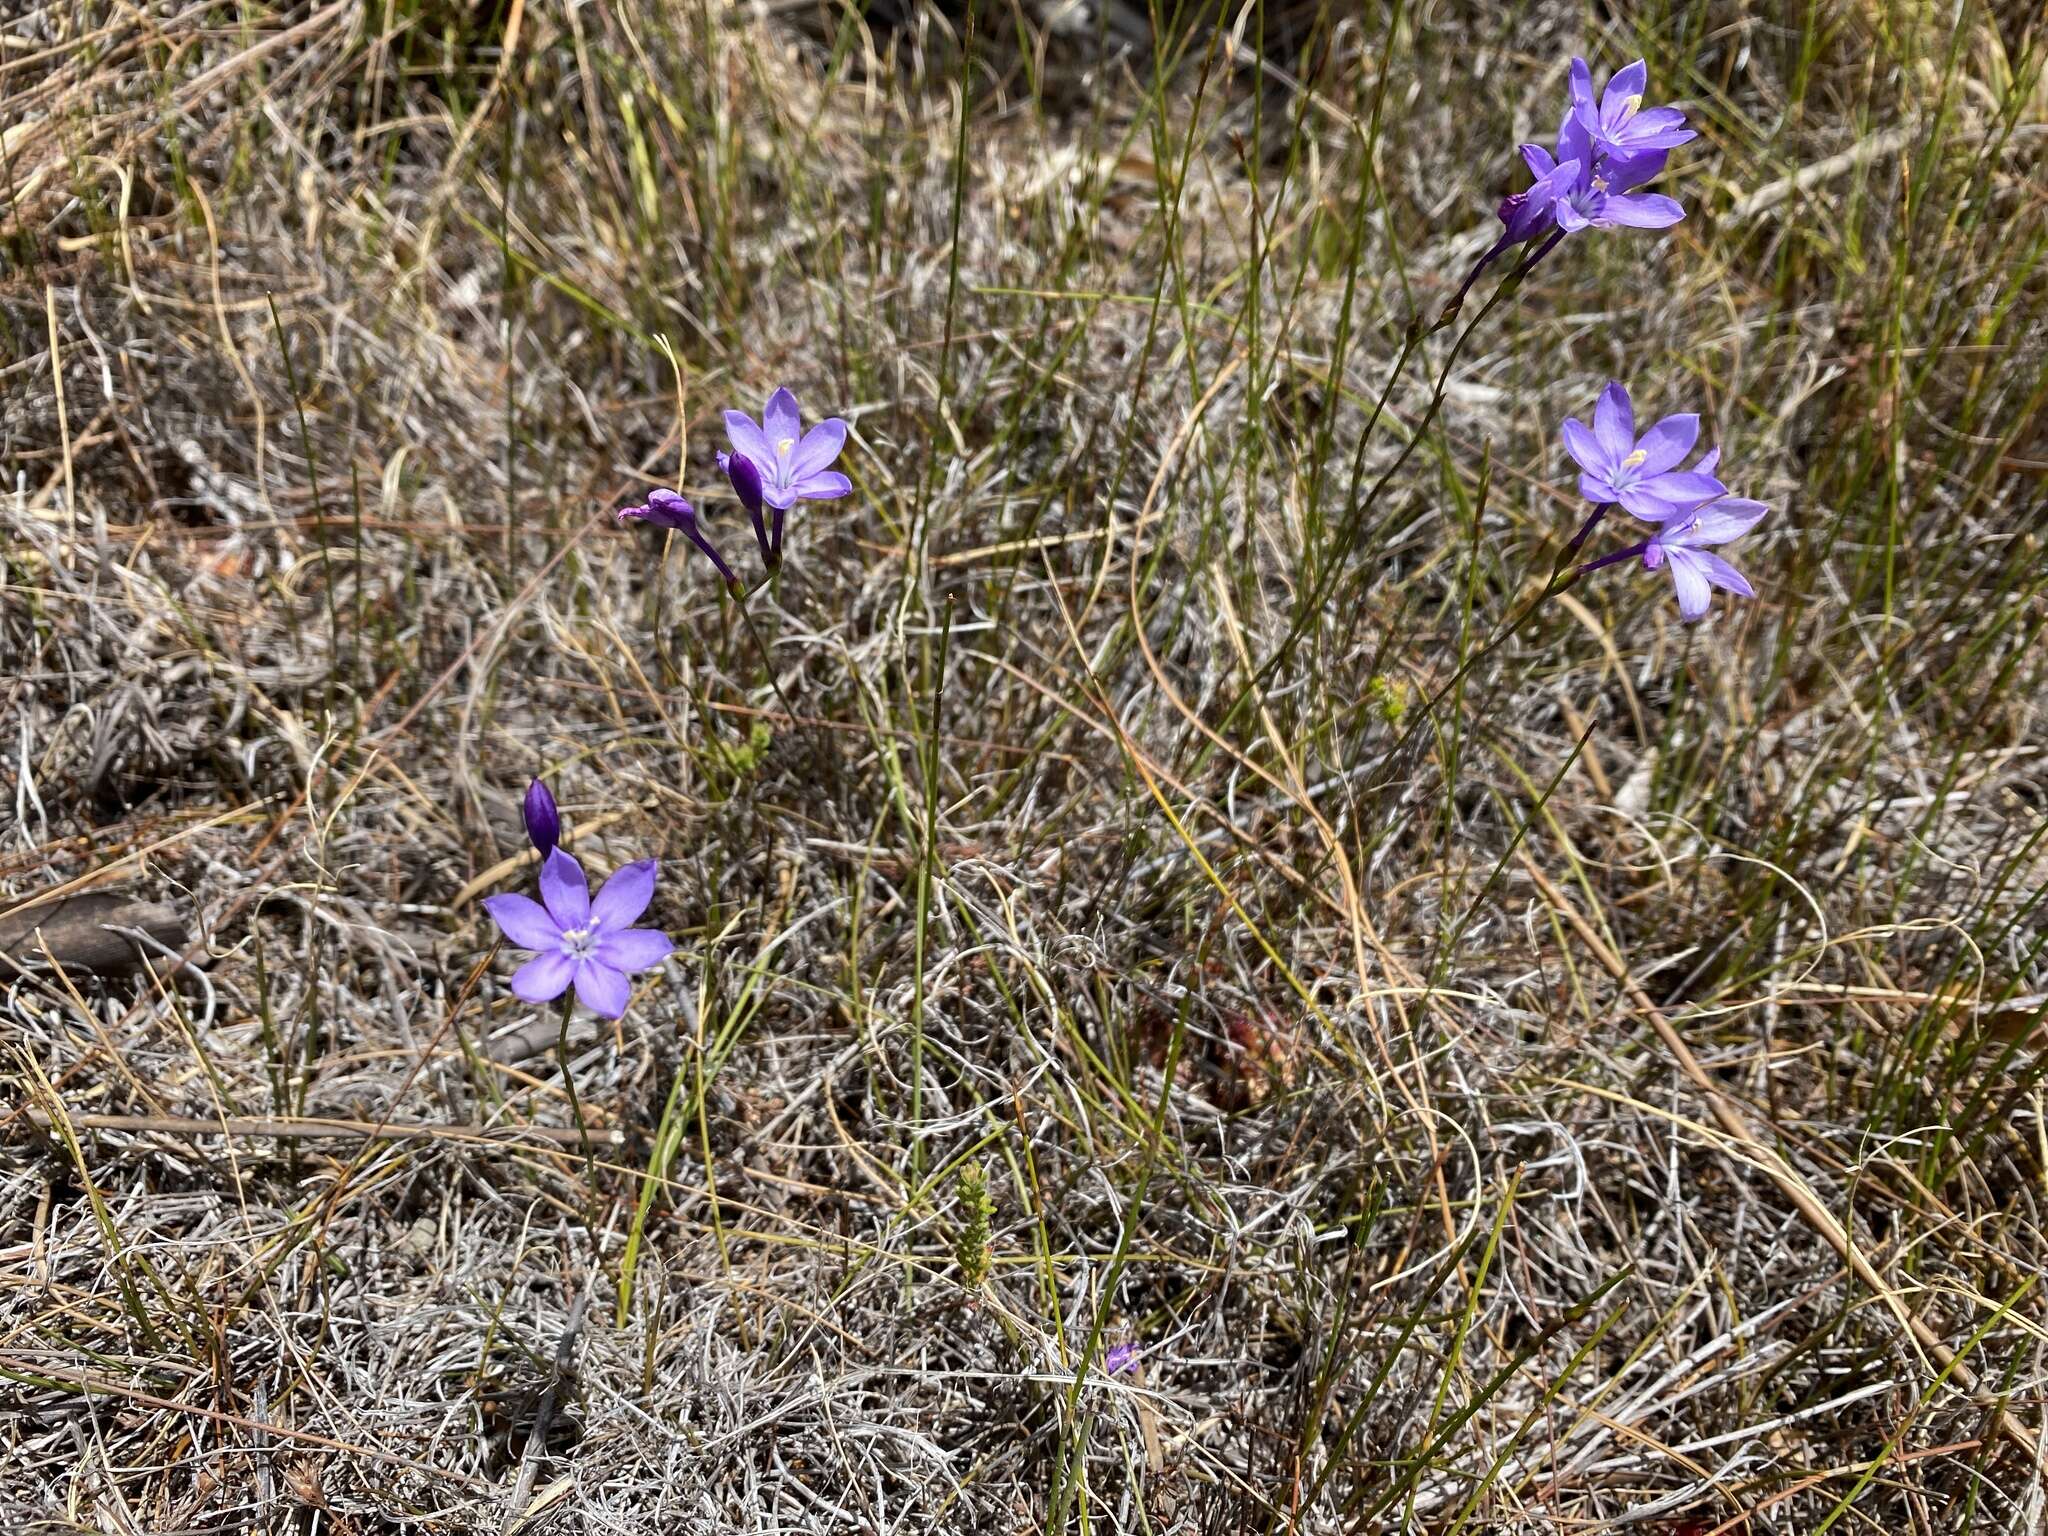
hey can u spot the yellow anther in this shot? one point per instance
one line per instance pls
(1634, 459)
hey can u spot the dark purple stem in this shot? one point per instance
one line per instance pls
(775, 541)
(1585, 532)
(1500, 248)
(697, 538)
(1616, 558)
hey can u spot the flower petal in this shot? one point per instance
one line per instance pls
(780, 419)
(1627, 172)
(524, 922)
(565, 891)
(747, 437)
(1581, 443)
(827, 486)
(1724, 521)
(624, 896)
(1538, 159)
(1630, 80)
(1642, 501)
(602, 989)
(1597, 488)
(1641, 210)
(1614, 422)
(1581, 83)
(633, 949)
(1574, 143)
(1689, 581)
(543, 978)
(1667, 442)
(1722, 574)
(1658, 128)
(820, 446)
(1684, 489)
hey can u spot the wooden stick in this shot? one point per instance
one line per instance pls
(1784, 1175)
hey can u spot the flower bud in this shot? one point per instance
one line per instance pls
(543, 821)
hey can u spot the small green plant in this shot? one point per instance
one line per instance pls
(978, 1209)
(1389, 697)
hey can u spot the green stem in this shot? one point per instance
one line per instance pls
(569, 1078)
(767, 661)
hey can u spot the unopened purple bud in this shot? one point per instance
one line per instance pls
(665, 509)
(543, 821)
(745, 476)
(746, 481)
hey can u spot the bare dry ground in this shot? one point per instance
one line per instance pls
(1584, 1075)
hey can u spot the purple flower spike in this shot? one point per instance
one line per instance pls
(746, 484)
(794, 465)
(543, 821)
(1641, 473)
(591, 945)
(665, 509)
(1682, 545)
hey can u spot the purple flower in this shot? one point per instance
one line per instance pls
(794, 465)
(1641, 473)
(1681, 546)
(1617, 125)
(665, 509)
(1594, 204)
(1121, 1358)
(543, 821)
(592, 944)
(1530, 212)
(1610, 148)
(746, 484)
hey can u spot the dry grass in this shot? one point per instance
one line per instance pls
(1605, 1092)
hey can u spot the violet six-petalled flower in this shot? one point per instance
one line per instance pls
(576, 941)
(1120, 1358)
(794, 465)
(1681, 546)
(1640, 473)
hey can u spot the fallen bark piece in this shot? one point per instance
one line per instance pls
(79, 933)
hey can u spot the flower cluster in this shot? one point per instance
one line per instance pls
(1605, 150)
(1691, 508)
(773, 465)
(1608, 146)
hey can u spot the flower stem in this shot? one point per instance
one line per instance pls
(747, 618)
(569, 1078)
(1347, 537)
